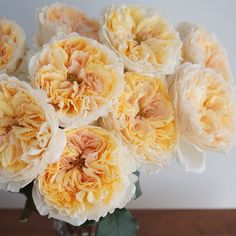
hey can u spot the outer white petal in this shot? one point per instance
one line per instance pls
(191, 157)
(10, 182)
(23, 73)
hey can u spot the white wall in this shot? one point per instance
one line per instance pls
(171, 188)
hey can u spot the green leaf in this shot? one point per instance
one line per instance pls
(28, 210)
(29, 204)
(120, 223)
(89, 222)
(138, 191)
(27, 190)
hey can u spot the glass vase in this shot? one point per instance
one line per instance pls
(62, 228)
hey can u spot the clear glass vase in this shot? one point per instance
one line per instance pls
(62, 228)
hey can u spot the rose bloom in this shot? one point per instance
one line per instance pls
(12, 46)
(93, 177)
(206, 113)
(144, 40)
(28, 133)
(201, 47)
(81, 77)
(144, 118)
(62, 18)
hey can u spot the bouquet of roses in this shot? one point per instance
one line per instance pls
(103, 100)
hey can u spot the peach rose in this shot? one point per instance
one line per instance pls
(81, 77)
(28, 134)
(201, 47)
(62, 18)
(144, 118)
(145, 41)
(206, 113)
(12, 46)
(93, 177)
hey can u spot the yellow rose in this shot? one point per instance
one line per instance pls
(12, 46)
(206, 113)
(28, 133)
(144, 118)
(93, 177)
(201, 47)
(145, 41)
(62, 18)
(81, 77)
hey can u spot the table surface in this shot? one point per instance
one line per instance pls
(151, 223)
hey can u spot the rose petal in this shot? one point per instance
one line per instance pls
(191, 157)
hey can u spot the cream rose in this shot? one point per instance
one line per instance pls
(93, 177)
(62, 18)
(201, 47)
(144, 118)
(12, 46)
(81, 77)
(28, 133)
(206, 113)
(144, 40)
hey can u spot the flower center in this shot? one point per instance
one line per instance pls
(78, 163)
(7, 128)
(71, 77)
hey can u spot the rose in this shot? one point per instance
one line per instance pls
(145, 41)
(93, 177)
(62, 18)
(81, 77)
(12, 46)
(28, 133)
(206, 114)
(144, 118)
(201, 47)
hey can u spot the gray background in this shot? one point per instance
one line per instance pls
(172, 187)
